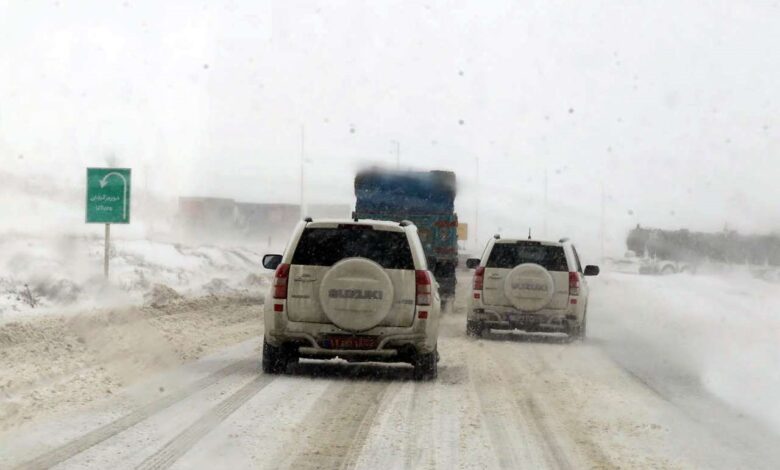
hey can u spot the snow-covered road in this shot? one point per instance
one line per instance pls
(619, 400)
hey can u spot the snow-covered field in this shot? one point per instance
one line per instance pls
(39, 274)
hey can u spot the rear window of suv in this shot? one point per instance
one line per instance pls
(328, 246)
(509, 255)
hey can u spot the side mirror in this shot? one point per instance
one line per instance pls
(271, 261)
(591, 270)
(472, 263)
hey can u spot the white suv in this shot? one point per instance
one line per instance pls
(358, 290)
(529, 285)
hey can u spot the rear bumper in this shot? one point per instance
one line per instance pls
(510, 319)
(391, 348)
(394, 343)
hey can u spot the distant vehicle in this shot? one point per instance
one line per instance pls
(357, 290)
(686, 248)
(664, 266)
(426, 198)
(529, 285)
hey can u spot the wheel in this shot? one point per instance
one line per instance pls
(667, 270)
(275, 359)
(583, 328)
(474, 328)
(579, 331)
(426, 366)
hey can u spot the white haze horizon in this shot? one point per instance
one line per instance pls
(666, 112)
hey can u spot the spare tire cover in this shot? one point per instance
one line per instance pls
(529, 287)
(356, 294)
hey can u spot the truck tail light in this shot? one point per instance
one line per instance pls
(574, 283)
(280, 281)
(424, 286)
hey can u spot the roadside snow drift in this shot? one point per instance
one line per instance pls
(52, 363)
(720, 333)
(43, 272)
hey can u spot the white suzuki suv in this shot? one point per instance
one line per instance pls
(529, 285)
(358, 290)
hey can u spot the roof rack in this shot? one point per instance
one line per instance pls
(497, 236)
(563, 240)
(308, 219)
(405, 223)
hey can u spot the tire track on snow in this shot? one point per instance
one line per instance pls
(539, 416)
(92, 438)
(179, 445)
(340, 425)
(415, 445)
(500, 415)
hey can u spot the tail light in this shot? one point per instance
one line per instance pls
(479, 277)
(424, 293)
(574, 283)
(479, 280)
(280, 281)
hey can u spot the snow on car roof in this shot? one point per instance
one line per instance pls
(544, 242)
(332, 223)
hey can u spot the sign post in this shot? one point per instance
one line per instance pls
(106, 250)
(108, 201)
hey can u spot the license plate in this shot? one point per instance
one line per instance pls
(350, 342)
(526, 319)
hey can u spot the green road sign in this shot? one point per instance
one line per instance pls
(108, 195)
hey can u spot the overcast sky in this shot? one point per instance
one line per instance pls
(671, 107)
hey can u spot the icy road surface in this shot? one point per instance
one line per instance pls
(637, 394)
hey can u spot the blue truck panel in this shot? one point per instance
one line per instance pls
(425, 198)
(430, 192)
(438, 232)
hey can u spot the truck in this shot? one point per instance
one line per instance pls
(672, 251)
(426, 198)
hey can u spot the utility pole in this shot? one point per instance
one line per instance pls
(603, 219)
(303, 209)
(476, 208)
(545, 202)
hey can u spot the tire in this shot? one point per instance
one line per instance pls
(582, 332)
(356, 314)
(578, 332)
(524, 284)
(667, 270)
(275, 359)
(687, 270)
(474, 328)
(426, 366)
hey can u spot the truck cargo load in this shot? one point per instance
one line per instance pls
(426, 198)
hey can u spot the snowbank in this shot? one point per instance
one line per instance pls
(719, 332)
(51, 260)
(52, 363)
(39, 273)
